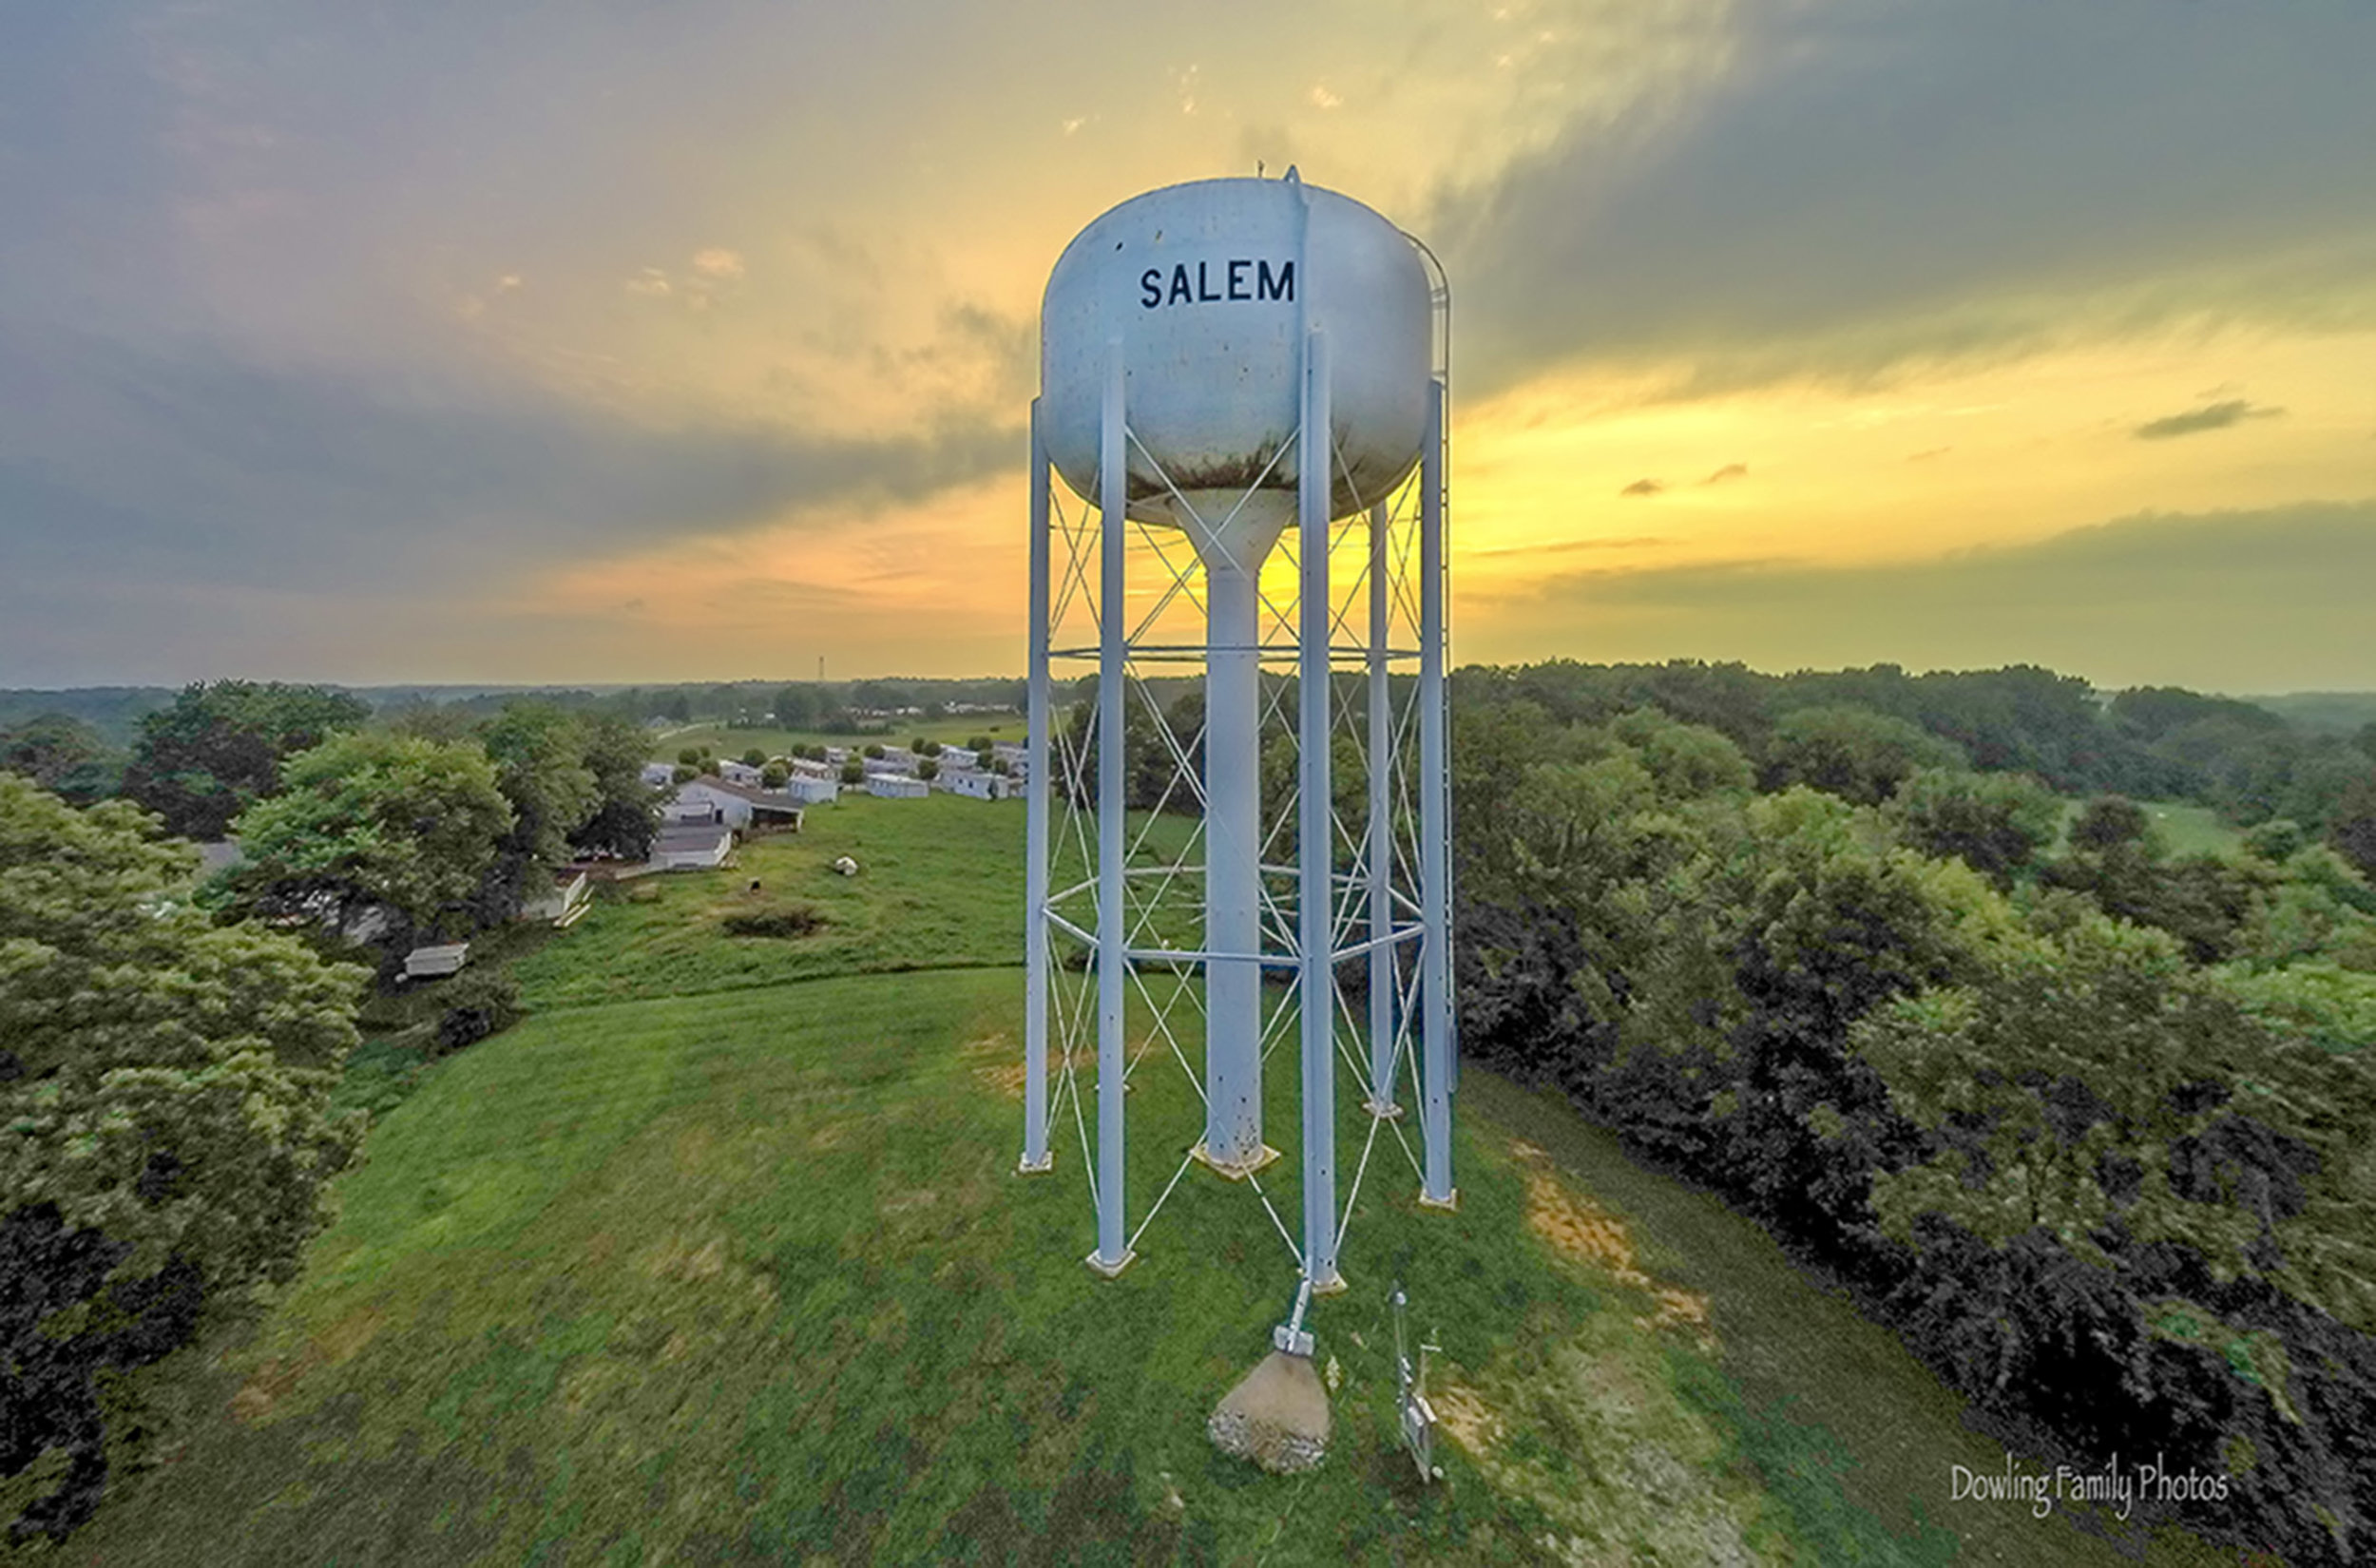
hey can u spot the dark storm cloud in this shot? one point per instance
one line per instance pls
(1880, 181)
(2213, 416)
(192, 463)
(2267, 601)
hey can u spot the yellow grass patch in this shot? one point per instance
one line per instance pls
(1580, 1229)
(1470, 1421)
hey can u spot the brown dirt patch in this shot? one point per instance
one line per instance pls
(1470, 1421)
(1006, 1078)
(1578, 1227)
(271, 1381)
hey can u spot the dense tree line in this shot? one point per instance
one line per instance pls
(2247, 762)
(2085, 1122)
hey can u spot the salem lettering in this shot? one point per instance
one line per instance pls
(1214, 282)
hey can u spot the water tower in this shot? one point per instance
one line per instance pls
(1242, 384)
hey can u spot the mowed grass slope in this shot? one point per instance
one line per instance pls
(738, 1269)
(940, 885)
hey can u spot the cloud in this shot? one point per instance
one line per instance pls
(197, 465)
(2214, 416)
(719, 263)
(1569, 546)
(1643, 487)
(2271, 600)
(1880, 183)
(1727, 473)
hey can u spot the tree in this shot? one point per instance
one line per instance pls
(754, 757)
(164, 1083)
(371, 820)
(1858, 755)
(64, 755)
(774, 775)
(689, 757)
(2352, 828)
(2111, 823)
(1995, 823)
(218, 749)
(928, 768)
(539, 751)
(626, 813)
(798, 707)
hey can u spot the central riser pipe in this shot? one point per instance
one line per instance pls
(1233, 889)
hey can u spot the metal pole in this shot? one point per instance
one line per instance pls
(1435, 845)
(1035, 1152)
(1232, 854)
(1113, 1252)
(1313, 838)
(1381, 833)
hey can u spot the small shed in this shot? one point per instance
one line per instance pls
(692, 846)
(430, 963)
(563, 903)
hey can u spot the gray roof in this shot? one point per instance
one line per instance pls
(690, 835)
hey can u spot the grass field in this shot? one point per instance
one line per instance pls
(719, 1257)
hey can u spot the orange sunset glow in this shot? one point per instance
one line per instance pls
(699, 343)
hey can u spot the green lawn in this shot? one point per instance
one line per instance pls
(719, 1256)
(940, 885)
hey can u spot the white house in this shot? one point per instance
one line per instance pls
(809, 767)
(974, 783)
(692, 846)
(743, 807)
(659, 775)
(836, 756)
(812, 789)
(896, 787)
(873, 765)
(740, 773)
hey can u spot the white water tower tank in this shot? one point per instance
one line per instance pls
(1209, 286)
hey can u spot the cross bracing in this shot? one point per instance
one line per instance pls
(1127, 633)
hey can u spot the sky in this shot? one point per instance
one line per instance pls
(501, 341)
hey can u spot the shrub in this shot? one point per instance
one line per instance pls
(476, 1005)
(781, 921)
